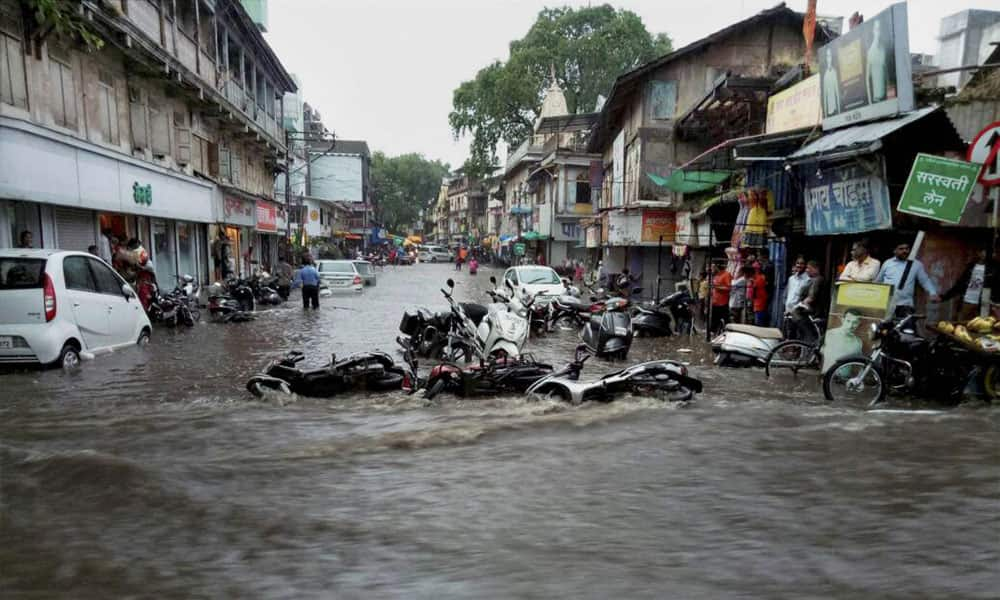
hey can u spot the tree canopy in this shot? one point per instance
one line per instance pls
(404, 185)
(588, 48)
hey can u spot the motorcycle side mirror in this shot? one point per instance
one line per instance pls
(127, 291)
(451, 283)
(565, 282)
(493, 280)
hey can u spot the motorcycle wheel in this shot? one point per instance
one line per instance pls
(670, 391)
(256, 386)
(434, 390)
(391, 379)
(991, 382)
(841, 383)
(566, 323)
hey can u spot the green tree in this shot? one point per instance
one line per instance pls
(63, 18)
(404, 185)
(588, 48)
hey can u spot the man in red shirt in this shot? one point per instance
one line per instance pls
(758, 295)
(722, 282)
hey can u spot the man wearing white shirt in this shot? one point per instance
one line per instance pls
(863, 267)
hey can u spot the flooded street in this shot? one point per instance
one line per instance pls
(153, 473)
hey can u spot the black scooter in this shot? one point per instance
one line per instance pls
(371, 371)
(426, 332)
(668, 316)
(609, 334)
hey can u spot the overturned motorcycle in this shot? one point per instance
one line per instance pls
(371, 371)
(664, 379)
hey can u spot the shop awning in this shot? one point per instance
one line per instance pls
(690, 182)
(859, 139)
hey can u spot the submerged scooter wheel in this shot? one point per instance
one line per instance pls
(434, 390)
(258, 385)
(392, 379)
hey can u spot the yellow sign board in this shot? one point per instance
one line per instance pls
(874, 296)
(794, 108)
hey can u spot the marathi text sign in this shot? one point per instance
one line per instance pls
(267, 217)
(794, 108)
(938, 188)
(847, 199)
(865, 74)
(658, 224)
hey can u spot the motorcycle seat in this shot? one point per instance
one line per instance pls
(764, 333)
(476, 312)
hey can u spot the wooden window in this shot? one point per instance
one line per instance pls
(107, 107)
(159, 129)
(186, 20)
(207, 34)
(269, 98)
(235, 175)
(261, 87)
(214, 154)
(62, 93)
(182, 137)
(225, 173)
(137, 119)
(13, 83)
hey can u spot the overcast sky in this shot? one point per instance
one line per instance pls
(384, 70)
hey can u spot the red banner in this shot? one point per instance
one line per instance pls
(657, 223)
(267, 217)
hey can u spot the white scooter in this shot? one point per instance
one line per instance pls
(502, 332)
(745, 345)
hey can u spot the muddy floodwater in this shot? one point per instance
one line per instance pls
(152, 473)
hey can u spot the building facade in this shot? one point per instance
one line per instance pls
(168, 134)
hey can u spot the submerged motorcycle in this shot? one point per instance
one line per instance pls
(670, 315)
(371, 371)
(664, 379)
(609, 333)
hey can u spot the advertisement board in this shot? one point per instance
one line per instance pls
(938, 188)
(794, 108)
(865, 74)
(657, 224)
(854, 306)
(267, 216)
(847, 199)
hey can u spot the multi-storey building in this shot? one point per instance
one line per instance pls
(339, 174)
(466, 210)
(170, 133)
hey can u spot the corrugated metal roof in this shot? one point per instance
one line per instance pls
(859, 136)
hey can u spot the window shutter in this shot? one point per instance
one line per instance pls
(159, 130)
(182, 133)
(234, 166)
(198, 154)
(213, 153)
(224, 164)
(137, 119)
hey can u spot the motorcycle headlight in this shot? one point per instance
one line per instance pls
(621, 331)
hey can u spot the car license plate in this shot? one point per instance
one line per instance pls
(6, 342)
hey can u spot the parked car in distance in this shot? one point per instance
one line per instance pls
(367, 272)
(57, 306)
(406, 258)
(535, 279)
(339, 276)
(434, 254)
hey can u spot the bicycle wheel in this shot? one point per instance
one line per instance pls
(791, 354)
(854, 382)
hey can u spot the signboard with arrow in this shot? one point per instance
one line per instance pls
(985, 150)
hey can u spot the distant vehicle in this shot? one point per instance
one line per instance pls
(57, 305)
(435, 254)
(339, 276)
(367, 272)
(406, 258)
(535, 280)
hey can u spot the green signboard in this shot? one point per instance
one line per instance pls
(519, 249)
(142, 194)
(938, 188)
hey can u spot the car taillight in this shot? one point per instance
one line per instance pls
(357, 280)
(49, 299)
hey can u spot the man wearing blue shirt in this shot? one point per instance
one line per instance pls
(892, 272)
(309, 278)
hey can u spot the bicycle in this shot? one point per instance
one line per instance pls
(797, 354)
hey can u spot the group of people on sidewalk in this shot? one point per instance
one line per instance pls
(743, 297)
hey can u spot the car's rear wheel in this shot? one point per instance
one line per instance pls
(143, 338)
(69, 357)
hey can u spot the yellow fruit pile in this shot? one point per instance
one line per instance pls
(987, 327)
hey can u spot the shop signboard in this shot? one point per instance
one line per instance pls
(142, 194)
(236, 211)
(267, 216)
(854, 306)
(794, 108)
(658, 224)
(865, 74)
(985, 150)
(593, 236)
(847, 199)
(519, 249)
(938, 188)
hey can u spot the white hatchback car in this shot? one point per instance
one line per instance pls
(535, 279)
(57, 305)
(435, 254)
